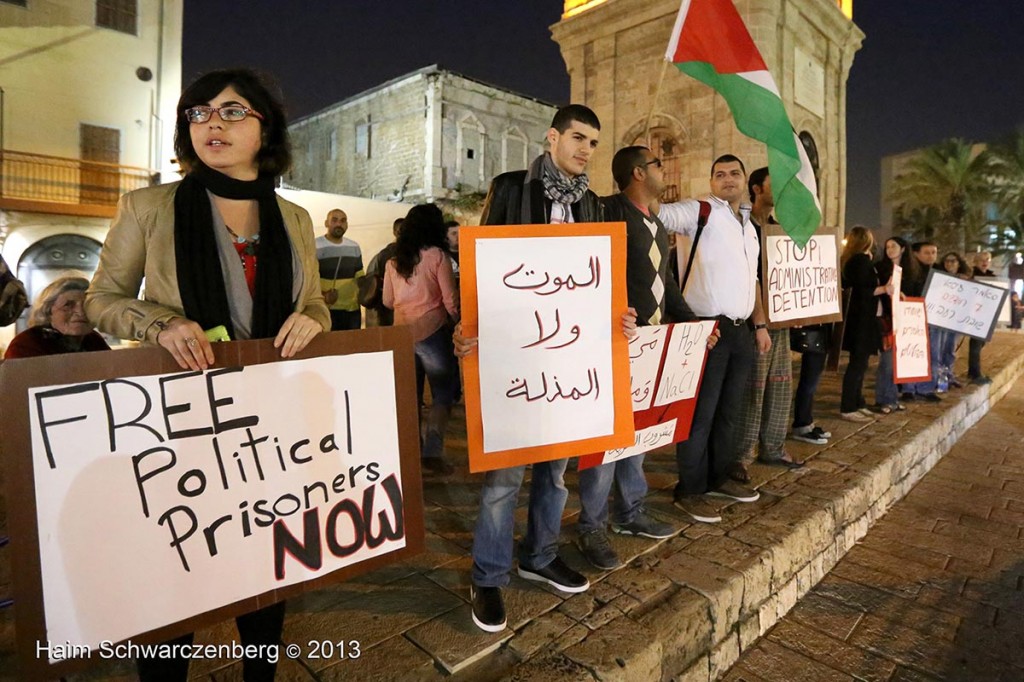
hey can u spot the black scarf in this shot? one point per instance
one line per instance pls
(200, 278)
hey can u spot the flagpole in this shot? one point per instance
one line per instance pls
(654, 104)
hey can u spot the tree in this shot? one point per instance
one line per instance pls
(1006, 165)
(952, 179)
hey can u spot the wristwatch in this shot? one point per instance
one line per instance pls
(760, 326)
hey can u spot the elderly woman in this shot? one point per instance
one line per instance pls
(57, 323)
(219, 248)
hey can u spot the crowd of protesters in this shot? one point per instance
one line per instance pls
(220, 249)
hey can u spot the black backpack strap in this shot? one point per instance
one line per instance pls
(702, 220)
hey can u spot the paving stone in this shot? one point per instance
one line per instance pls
(554, 668)
(903, 674)
(775, 663)
(454, 641)
(913, 644)
(753, 562)
(995, 595)
(832, 652)
(540, 633)
(722, 586)
(899, 586)
(394, 659)
(825, 615)
(373, 618)
(622, 650)
(724, 655)
(682, 623)
(640, 582)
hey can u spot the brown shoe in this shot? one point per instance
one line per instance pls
(698, 508)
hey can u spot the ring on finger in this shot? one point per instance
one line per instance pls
(191, 342)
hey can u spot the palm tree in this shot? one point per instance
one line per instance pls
(951, 178)
(1006, 164)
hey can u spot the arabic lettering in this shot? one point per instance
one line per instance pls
(541, 338)
(521, 388)
(530, 281)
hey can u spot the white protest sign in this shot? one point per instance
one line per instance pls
(545, 340)
(897, 282)
(964, 306)
(651, 438)
(684, 362)
(910, 349)
(801, 283)
(165, 496)
(645, 352)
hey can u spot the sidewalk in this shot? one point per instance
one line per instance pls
(684, 607)
(934, 590)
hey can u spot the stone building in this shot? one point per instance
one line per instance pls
(430, 134)
(614, 52)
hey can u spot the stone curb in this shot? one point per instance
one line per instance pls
(727, 590)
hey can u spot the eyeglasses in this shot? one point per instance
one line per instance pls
(230, 113)
(656, 162)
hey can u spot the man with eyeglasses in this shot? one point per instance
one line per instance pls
(718, 267)
(653, 293)
(341, 264)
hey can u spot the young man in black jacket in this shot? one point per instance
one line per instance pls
(555, 189)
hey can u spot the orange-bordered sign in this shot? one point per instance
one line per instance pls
(550, 376)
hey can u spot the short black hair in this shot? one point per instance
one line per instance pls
(727, 158)
(623, 163)
(574, 112)
(917, 246)
(274, 156)
(756, 179)
(451, 223)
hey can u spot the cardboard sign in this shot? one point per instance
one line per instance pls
(549, 377)
(195, 496)
(801, 285)
(910, 354)
(666, 366)
(964, 306)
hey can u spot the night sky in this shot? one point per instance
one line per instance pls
(926, 71)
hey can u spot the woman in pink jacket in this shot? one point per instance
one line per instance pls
(419, 286)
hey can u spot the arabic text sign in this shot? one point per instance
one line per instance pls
(802, 283)
(964, 306)
(666, 366)
(182, 493)
(911, 360)
(547, 308)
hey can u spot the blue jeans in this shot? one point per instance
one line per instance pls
(596, 483)
(495, 525)
(435, 360)
(885, 389)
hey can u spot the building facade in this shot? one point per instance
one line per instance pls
(429, 135)
(614, 52)
(87, 103)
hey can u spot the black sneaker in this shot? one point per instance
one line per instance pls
(646, 527)
(821, 433)
(809, 437)
(558, 575)
(598, 551)
(488, 608)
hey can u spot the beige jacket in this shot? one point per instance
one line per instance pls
(140, 244)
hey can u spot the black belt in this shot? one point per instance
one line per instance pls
(725, 319)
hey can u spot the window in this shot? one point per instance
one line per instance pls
(469, 153)
(119, 15)
(363, 140)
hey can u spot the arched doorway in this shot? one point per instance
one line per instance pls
(49, 258)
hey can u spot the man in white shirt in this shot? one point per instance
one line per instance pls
(719, 282)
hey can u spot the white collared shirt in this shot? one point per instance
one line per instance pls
(723, 280)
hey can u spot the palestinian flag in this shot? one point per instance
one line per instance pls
(710, 43)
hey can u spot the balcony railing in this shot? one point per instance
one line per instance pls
(41, 179)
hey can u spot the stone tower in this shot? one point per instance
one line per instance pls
(614, 52)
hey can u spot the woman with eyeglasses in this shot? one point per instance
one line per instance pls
(217, 249)
(57, 323)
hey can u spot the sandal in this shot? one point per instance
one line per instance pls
(883, 409)
(898, 407)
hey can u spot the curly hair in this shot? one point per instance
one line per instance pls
(42, 310)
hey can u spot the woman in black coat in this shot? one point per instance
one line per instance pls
(861, 336)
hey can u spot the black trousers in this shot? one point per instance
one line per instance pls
(853, 382)
(974, 347)
(811, 367)
(705, 458)
(262, 626)
(346, 319)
